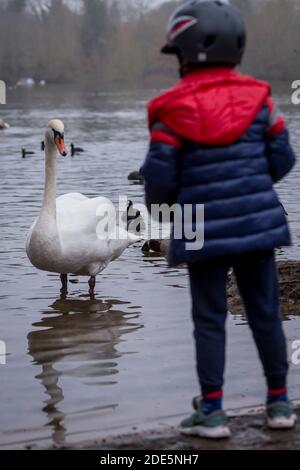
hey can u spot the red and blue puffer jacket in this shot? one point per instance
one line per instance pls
(217, 139)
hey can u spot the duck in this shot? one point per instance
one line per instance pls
(4, 125)
(160, 246)
(136, 176)
(25, 153)
(65, 238)
(75, 150)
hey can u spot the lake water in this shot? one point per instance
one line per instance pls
(79, 369)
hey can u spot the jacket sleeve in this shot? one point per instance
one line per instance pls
(161, 169)
(280, 154)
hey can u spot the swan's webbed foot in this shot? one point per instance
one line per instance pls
(92, 284)
(64, 285)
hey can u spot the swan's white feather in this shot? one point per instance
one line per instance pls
(65, 238)
(80, 251)
(75, 197)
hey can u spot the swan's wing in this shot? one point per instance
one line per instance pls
(79, 217)
(84, 243)
(71, 197)
(28, 238)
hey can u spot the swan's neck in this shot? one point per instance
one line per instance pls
(49, 201)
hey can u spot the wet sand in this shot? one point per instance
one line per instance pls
(248, 432)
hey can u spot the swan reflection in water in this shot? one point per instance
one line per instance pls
(84, 337)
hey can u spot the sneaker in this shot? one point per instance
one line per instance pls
(212, 426)
(280, 415)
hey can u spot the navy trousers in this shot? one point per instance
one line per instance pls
(256, 277)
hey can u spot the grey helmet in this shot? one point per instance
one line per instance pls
(206, 32)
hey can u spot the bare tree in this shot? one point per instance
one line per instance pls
(117, 41)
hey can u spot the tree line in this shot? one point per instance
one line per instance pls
(116, 42)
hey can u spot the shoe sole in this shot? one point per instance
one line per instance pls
(282, 422)
(219, 432)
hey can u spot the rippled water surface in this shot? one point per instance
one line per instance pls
(78, 369)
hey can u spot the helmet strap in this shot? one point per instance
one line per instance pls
(183, 65)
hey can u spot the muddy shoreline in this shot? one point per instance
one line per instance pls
(248, 433)
(288, 279)
(289, 287)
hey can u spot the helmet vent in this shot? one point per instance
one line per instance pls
(209, 41)
(180, 25)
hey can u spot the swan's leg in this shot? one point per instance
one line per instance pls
(92, 284)
(64, 284)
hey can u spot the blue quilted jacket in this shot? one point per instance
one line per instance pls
(218, 140)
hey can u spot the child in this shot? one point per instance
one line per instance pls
(218, 139)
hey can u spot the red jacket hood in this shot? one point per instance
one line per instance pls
(211, 106)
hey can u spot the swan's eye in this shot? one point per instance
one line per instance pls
(58, 134)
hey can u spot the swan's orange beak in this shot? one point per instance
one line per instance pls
(60, 144)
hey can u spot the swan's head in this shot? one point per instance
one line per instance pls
(55, 136)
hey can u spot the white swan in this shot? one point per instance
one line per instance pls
(64, 238)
